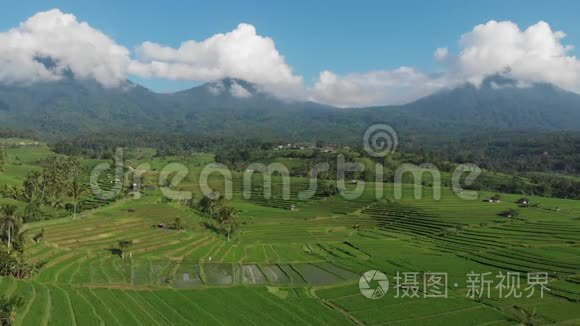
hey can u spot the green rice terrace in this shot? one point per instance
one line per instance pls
(290, 261)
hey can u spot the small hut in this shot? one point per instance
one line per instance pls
(494, 199)
(523, 201)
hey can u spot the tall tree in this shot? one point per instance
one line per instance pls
(76, 190)
(229, 219)
(9, 225)
(32, 213)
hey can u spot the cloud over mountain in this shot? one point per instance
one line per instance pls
(241, 53)
(397, 86)
(51, 44)
(535, 54)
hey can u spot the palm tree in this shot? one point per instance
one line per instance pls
(15, 264)
(73, 165)
(211, 205)
(228, 218)
(8, 309)
(32, 213)
(33, 190)
(3, 158)
(75, 192)
(528, 317)
(15, 192)
(9, 224)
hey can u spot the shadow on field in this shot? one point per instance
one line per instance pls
(115, 251)
(211, 227)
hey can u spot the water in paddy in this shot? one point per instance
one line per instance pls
(193, 274)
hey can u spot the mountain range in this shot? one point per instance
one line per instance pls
(233, 107)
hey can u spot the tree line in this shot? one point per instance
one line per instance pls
(56, 186)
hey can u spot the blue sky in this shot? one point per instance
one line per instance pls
(341, 36)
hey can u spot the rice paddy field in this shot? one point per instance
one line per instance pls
(302, 265)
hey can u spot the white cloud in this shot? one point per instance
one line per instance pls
(70, 45)
(241, 53)
(238, 90)
(217, 88)
(535, 54)
(441, 54)
(397, 86)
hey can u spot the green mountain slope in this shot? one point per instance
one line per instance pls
(234, 107)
